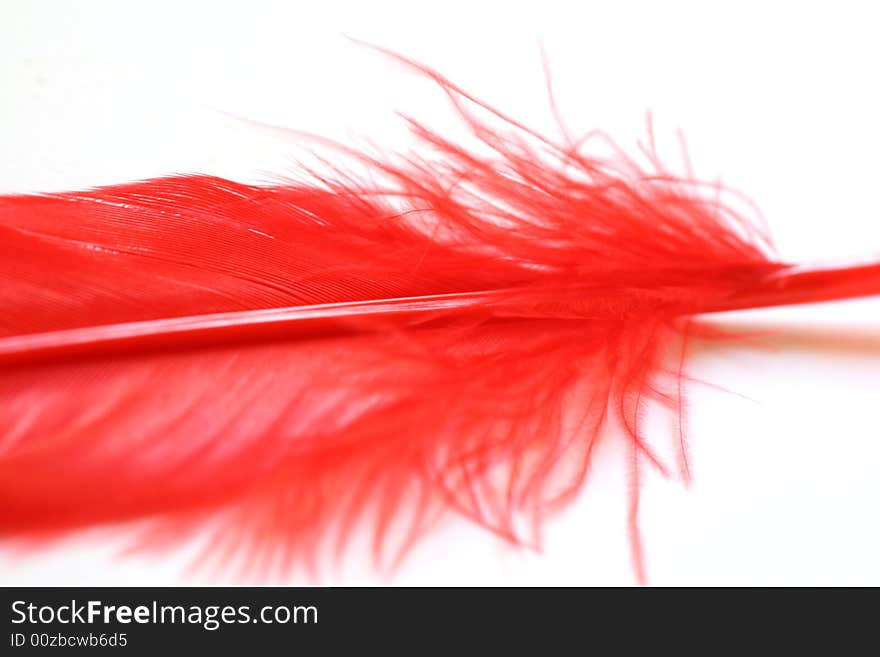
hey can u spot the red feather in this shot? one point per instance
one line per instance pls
(291, 360)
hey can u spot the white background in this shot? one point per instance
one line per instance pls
(778, 99)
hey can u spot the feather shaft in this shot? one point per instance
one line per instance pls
(788, 286)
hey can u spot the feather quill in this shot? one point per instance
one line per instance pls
(287, 361)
